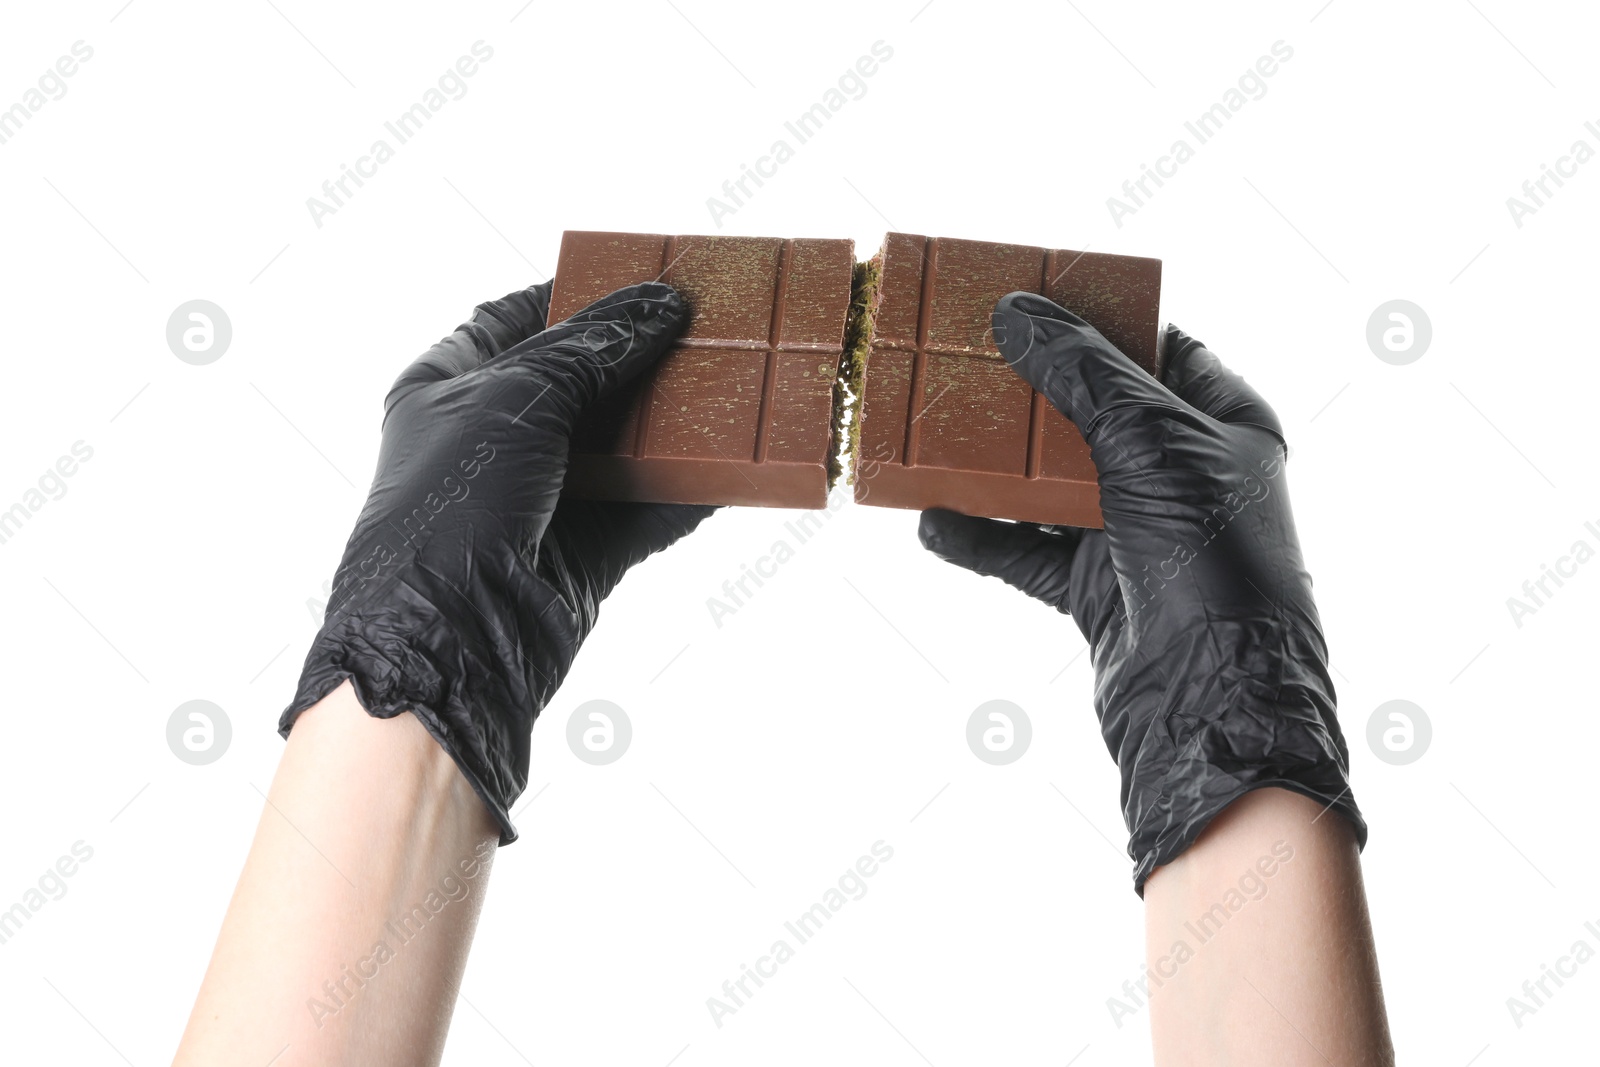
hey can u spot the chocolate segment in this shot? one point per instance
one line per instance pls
(740, 410)
(945, 422)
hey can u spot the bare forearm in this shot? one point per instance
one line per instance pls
(348, 932)
(1259, 945)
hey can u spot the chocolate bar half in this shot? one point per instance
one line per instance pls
(741, 410)
(945, 422)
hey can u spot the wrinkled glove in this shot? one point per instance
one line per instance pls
(1211, 673)
(469, 581)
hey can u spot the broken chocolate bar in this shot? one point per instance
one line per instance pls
(740, 410)
(945, 422)
(791, 346)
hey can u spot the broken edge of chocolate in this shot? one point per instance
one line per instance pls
(846, 449)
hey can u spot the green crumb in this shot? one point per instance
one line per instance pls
(847, 387)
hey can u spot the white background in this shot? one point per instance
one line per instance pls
(820, 718)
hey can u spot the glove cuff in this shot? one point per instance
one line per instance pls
(322, 677)
(1178, 816)
(1233, 732)
(462, 661)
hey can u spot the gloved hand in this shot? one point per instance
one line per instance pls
(470, 581)
(1211, 673)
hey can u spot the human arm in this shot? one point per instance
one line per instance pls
(464, 592)
(1211, 674)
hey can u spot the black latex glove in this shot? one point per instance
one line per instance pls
(1211, 673)
(469, 581)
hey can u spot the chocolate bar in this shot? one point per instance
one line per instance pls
(740, 411)
(945, 422)
(797, 360)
